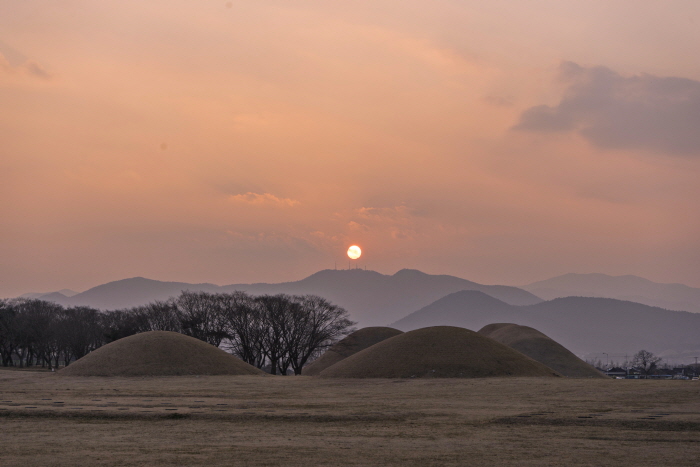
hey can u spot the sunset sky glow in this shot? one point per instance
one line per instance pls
(254, 141)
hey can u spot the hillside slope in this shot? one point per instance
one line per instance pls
(437, 352)
(542, 348)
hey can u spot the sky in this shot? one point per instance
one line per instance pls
(504, 142)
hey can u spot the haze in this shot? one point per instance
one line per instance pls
(243, 141)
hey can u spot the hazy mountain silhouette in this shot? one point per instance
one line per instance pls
(456, 309)
(136, 291)
(631, 288)
(370, 297)
(58, 295)
(581, 324)
(374, 299)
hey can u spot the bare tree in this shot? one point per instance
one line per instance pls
(313, 323)
(245, 327)
(281, 331)
(36, 332)
(645, 361)
(162, 316)
(201, 317)
(274, 310)
(8, 332)
(117, 324)
(80, 331)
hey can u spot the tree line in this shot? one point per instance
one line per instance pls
(278, 333)
(647, 363)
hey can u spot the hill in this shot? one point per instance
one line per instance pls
(158, 353)
(581, 324)
(50, 296)
(350, 345)
(453, 308)
(630, 288)
(371, 298)
(540, 347)
(133, 292)
(437, 352)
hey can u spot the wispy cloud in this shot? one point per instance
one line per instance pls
(29, 67)
(262, 199)
(34, 69)
(398, 221)
(394, 213)
(612, 111)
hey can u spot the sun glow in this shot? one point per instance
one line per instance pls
(354, 252)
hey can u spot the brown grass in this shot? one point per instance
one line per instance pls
(158, 353)
(353, 343)
(540, 347)
(438, 351)
(251, 421)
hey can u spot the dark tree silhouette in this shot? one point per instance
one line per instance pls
(245, 327)
(201, 317)
(275, 312)
(37, 331)
(281, 331)
(162, 316)
(79, 331)
(8, 332)
(278, 332)
(645, 361)
(313, 323)
(118, 324)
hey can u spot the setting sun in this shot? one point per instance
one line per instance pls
(354, 252)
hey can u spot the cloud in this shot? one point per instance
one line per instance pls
(392, 214)
(660, 114)
(264, 199)
(4, 64)
(397, 221)
(29, 67)
(498, 101)
(35, 69)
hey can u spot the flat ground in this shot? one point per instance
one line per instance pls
(47, 420)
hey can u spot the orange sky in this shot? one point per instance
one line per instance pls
(244, 141)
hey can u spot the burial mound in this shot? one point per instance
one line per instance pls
(540, 347)
(437, 352)
(353, 343)
(158, 353)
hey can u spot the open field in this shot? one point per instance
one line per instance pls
(261, 420)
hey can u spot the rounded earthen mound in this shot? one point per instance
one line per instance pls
(158, 353)
(437, 352)
(353, 343)
(542, 348)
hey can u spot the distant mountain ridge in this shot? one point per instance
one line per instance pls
(63, 293)
(581, 324)
(371, 298)
(629, 288)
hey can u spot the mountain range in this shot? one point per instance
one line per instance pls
(583, 325)
(584, 312)
(631, 288)
(370, 297)
(60, 294)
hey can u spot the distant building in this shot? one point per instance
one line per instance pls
(685, 372)
(616, 372)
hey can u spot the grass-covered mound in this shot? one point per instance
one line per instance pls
(158, 353)
(540, 347)
(437, 352)
(353, 343)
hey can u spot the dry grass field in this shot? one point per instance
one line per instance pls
(48, 420)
